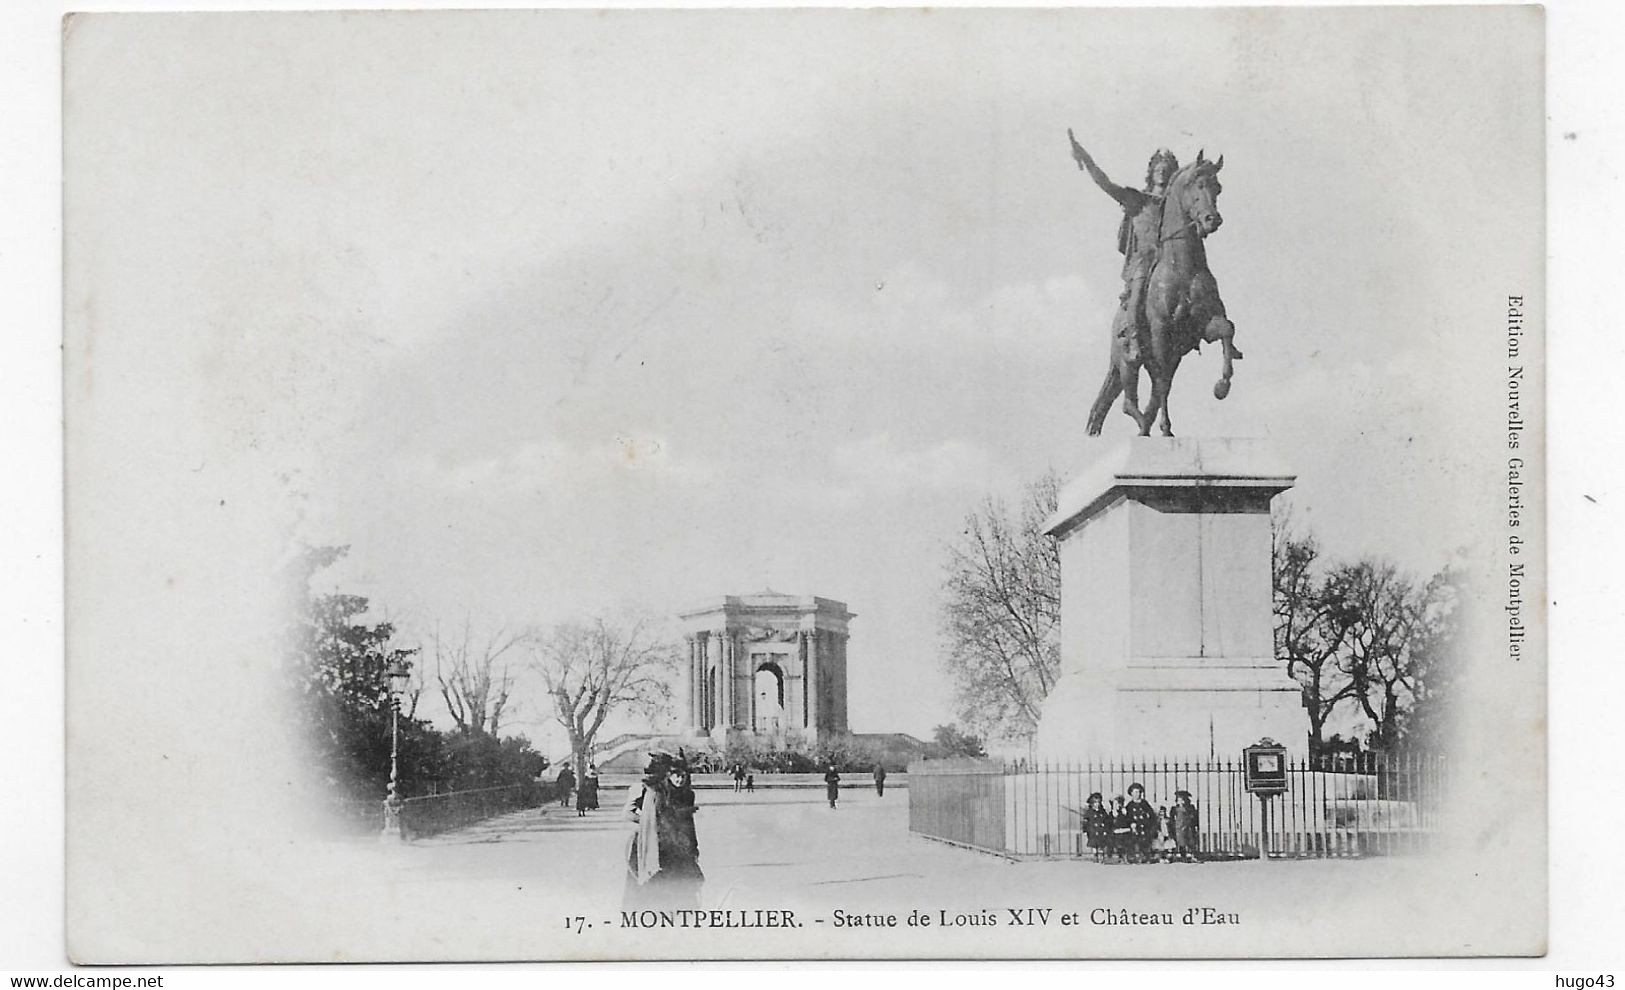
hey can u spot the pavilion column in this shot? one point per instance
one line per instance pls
(736, 718)
(707, 698)
(843, 697)
(801, 661)
(696, 673)
(814, 679)
(690, 684)
(720, 651)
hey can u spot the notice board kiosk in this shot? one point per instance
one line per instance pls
(1264, 774)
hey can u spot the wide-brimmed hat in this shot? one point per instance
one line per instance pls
(663, 761)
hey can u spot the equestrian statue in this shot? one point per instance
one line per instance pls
(1170, 303)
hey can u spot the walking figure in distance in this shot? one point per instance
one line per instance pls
(587, 791)
(567, 785)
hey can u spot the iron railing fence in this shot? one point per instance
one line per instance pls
(1373, 804)
(432, 814)
(435, 813)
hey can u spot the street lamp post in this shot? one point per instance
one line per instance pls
(398, 676)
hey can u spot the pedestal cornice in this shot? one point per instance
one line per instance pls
(1230, 465)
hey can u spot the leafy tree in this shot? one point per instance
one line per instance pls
(477, 759)
(1437, 664)
(593, 668)
(1002, 610)
(950, 741)
(338, 670)
(338, 664)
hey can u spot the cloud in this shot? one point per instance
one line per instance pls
(541, 466)
(877, 464)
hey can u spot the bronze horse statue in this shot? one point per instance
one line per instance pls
(1182, 305)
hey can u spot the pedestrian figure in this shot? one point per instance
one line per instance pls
(587, 792)
(1185, 821)
(1122, 832)
(663, 853)
(880, 781)
(739, 776)
(832, 784)
(1143, 824)
(1097, 826)
(750, 783)
(567, 784)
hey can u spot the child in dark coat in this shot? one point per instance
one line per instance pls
(1097, 826)
(1143, 824)
(1122, 842)
(1185, 821)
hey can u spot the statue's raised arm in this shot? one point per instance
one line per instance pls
(1087, 164)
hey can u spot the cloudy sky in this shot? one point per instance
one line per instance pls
(551, 313)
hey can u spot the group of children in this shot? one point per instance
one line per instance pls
(1135, 832)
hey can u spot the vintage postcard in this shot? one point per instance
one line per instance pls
(805, 484)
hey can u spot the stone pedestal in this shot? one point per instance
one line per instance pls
(1167, 643)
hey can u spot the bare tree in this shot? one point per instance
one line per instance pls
(1386, 623)
(474, 677)
(1311, 627)
(591, 669)
(1002, 610)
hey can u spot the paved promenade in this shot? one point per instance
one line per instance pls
(543, 883)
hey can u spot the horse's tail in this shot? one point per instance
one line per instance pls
(1110, 388)
(1225, 337)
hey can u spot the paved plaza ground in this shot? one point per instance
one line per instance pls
(545, 884)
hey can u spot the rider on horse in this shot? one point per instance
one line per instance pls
(1138, 234)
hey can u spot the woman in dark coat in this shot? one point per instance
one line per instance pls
(832, 784)
(587, 791)
(663, 856)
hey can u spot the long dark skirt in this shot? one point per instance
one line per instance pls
(668, 890)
